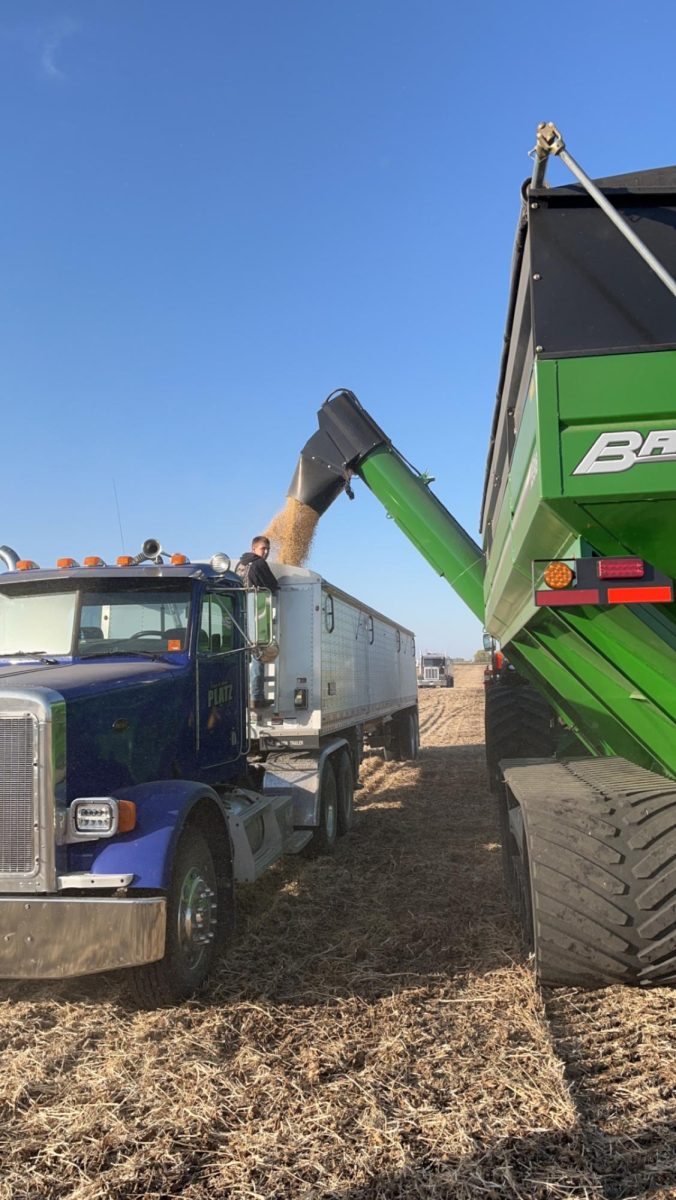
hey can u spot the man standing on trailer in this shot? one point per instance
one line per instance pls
(255, 572)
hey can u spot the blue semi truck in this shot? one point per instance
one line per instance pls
(135, 789)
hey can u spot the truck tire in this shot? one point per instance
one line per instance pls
(593, 882)
(324, 839)
(196, 923)
(345, 784)
(519, 724)
(406, 736)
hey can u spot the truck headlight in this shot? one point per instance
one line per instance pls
(94, 817)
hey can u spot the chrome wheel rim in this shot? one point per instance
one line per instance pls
(196, 918)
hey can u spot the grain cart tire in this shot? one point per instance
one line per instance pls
(519, 724)
(196, 924)
(324, 838)
(345, 784)
(516, 867)
(593, 881)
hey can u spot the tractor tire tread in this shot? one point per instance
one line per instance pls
(603, 906)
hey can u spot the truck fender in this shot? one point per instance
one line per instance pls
(300, 773)
(163, 808)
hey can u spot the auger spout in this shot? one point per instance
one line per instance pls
(349, 442)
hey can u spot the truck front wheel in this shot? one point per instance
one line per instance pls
(196, 925)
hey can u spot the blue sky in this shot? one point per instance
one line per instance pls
(213, 214)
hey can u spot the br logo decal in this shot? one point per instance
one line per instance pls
(614, 452)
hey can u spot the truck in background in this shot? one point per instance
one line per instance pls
(134, 788)
(435, 670)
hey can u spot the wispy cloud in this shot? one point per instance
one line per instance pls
(54, 38)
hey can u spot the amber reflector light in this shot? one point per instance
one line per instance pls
(558, 575)
(126, 816)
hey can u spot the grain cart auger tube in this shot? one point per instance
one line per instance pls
(576, 578)
(349, 443)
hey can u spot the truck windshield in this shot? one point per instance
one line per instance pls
(115, 621)
(37, 623)
(133, 622)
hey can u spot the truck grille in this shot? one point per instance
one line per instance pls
(18, 753)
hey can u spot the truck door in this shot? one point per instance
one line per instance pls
(220, 658)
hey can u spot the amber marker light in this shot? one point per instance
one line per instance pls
(125, 560)
(93, 561)
(178, 560)
(64, 563)
(126, 816)
(26, 564)
(174, 644)
(558, 575)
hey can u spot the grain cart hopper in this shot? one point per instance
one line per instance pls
(576, 574)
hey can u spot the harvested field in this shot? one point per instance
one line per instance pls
(375, 1034)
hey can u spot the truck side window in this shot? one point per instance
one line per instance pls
(216, 627)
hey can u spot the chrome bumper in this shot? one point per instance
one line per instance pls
(53, 937)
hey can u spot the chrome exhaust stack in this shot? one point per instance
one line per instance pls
(9, 557)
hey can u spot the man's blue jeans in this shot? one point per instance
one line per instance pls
(257, 679)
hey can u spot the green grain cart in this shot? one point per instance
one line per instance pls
(576, 576)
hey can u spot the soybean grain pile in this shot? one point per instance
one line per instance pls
(375, 1033)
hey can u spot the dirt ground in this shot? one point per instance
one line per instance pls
(375, 1033)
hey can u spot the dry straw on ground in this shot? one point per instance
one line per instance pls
(375, 1034)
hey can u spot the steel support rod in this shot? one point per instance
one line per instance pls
(549, 141)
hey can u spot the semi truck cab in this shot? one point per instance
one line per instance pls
(134, 788)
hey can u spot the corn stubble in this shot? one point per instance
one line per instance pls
(375, 1034)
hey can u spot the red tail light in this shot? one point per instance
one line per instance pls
(621, 568)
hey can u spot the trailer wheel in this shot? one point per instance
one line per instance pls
(324, 838)
(406, 736)
(345, 784)
(519, 724)
(196, 925)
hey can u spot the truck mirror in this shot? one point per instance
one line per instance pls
(259, 616)
(489, 643)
